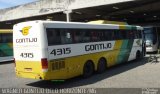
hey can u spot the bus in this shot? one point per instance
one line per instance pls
(53, 50)
(6, 45)
(151, 38)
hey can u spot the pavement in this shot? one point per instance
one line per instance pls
(134, 74)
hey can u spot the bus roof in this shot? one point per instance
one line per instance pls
(107, 22)
(84, 25)
(6, 30)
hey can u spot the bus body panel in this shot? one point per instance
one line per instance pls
(137, 46)
(63, 51)
(29, 69)
(64, 68)
(72, 66)
(66, 60)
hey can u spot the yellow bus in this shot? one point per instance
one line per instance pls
(6, 45)
(51, 50)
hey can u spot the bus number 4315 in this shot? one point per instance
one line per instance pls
(26, 55)
(61, 51)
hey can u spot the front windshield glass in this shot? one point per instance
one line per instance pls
(150, 34)
(149, 37)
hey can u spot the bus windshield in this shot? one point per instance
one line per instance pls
(150, 34)
(149, 37)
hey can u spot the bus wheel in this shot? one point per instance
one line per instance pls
(88, 69)
(138, 55)
(102, 65)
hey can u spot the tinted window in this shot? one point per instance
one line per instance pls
(108, 34)
(6, 38)
(68, 36)
(148, 30)
(78, 36)
(53, 36)
(130, 34)
(124, 34)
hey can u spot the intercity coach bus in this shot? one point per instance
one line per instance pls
(6, 45)
(51, 50)
(151, 34)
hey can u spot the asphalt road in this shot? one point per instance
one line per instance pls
(135, 74)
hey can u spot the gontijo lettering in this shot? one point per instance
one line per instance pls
(26, 40)
(100, 46)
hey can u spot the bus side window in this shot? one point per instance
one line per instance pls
(101, 35)
(76, 36)
(97, 35)
(140, 34)
(117, 35)
(3, 38)
(107, 35)
(53, 36)
(86, 37)
(113, 37)
(9, 37)
(66, 36)
(6, 38)
(94, 35)
(123, 34)
(130, 34)
(0, 38)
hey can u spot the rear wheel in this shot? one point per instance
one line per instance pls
(88, 69)
(102, 65)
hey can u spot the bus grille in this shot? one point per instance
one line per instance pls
(58, 65)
